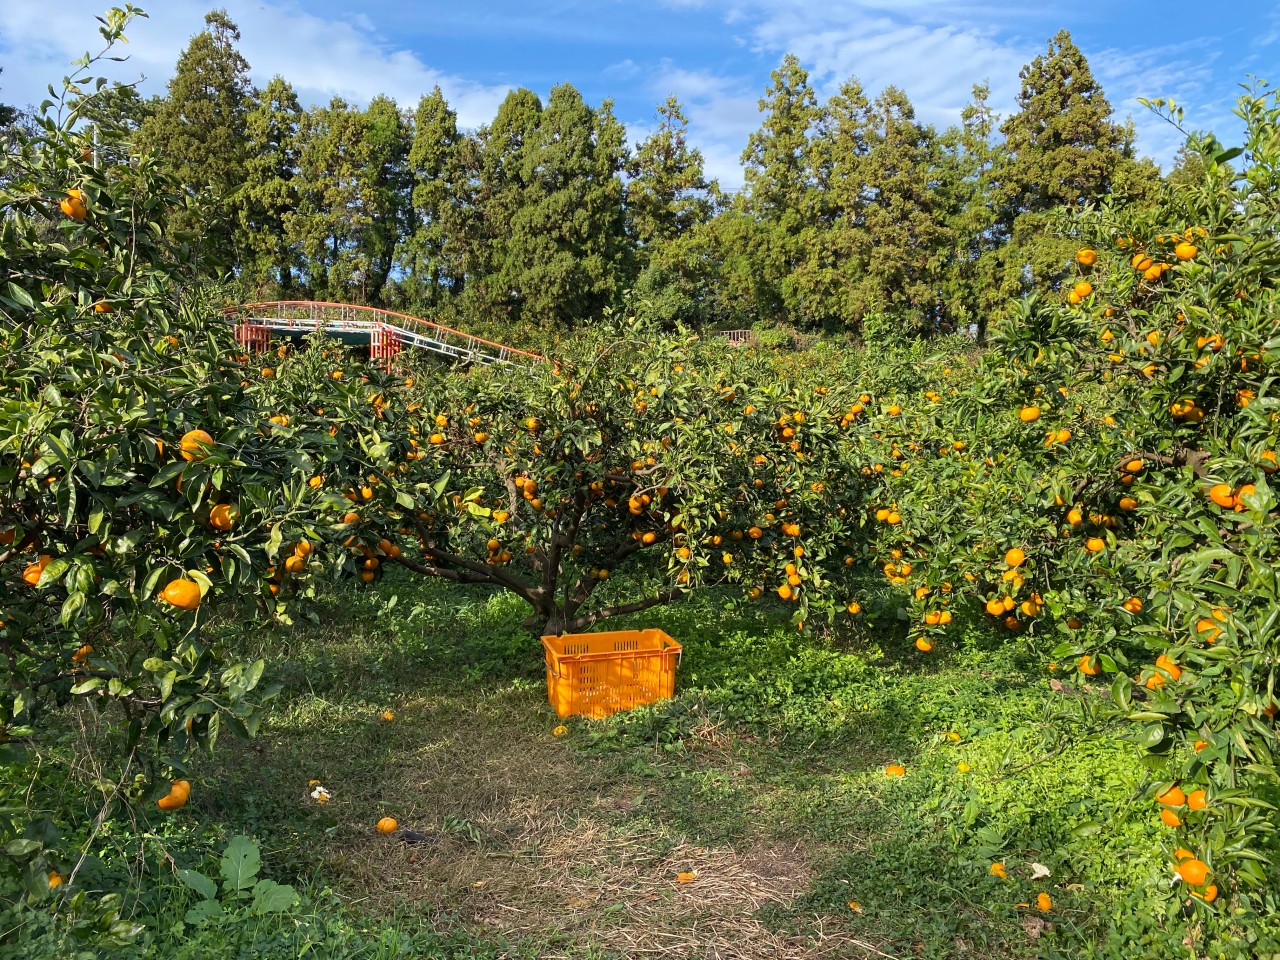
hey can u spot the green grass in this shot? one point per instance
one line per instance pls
(765, 775)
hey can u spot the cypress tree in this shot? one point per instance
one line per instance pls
(270, 261)
(199, 130)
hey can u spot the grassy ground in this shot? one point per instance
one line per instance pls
(765, 776)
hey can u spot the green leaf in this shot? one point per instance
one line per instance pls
(272, 897)
(198, 882)
(21, 296)
(241, 862)
(22, 847)
(202, 911)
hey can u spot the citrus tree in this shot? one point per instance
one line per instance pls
(671, 462)
(1098, 486)
(141, 481)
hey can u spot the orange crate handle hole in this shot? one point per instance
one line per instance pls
(553, 661)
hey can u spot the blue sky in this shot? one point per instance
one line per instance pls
(715, 55)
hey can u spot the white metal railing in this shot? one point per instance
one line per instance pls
(297, 316)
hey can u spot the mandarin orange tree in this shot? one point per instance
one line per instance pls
(637, 452)
(139, 479)
(1099, 484)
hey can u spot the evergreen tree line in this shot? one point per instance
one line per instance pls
(545, 215)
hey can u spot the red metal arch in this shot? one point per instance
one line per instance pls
(389, 331)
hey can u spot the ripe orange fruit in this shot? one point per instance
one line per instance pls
(32, 574)
(103, 307)
(1086, 257)
(894, 770)
(1237, 501)
(295, 564)
(924, 644)
(1088, 666)
(1197, 800)
(1044, 902)
(1221, 494)
(1133, 605)
(303, 549)
(1169, 818)
(1095, 545)
(73, 205)
(1173, 797)
(195, 445)
(1029, 414)
(1083, 289)
(181, 593)
(1128, 504)
(1014, 557)
(1168, 666)
(1193, 871)
(388, 825)
(176, 798)
(854, 607)
(1210, 893)
(223, 516)
(784, 591)
(1185, 251)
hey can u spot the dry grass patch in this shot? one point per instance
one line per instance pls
(531, 840)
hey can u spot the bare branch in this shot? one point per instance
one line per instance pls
(605, 612)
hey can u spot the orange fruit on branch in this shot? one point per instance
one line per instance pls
(181, 593)
(223, 516)
(73, 205)
(1193, 871)
(195, 445)
(176, 798)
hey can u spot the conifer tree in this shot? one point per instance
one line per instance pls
(1061, 149)
(497, 168)
(906, 235)
(779, 185)
(669, 200)
(667, 192)
(433, 259)
(568, 234)
(199, 130)
(270, 262)
(354, 201)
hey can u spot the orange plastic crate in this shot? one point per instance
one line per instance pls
(596, 674)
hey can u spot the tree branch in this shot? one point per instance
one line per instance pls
(458, 576)
(1181, 457)
(604, 613)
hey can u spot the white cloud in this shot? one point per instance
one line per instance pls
(936, 51)
(722, 112)
(1182, 72)
(321, 58)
